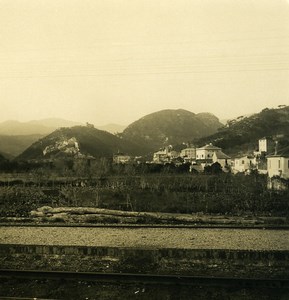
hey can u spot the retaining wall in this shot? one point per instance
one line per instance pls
(198, 262)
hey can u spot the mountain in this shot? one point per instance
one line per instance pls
(241, 135)
(112, 128)
(225, 121)
(55, 123)
(78, 141)
(170, 127)
(2, 158)
(16, 136)
(43, 127)
(13, 145)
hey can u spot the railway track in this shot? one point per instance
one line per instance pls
(24, 298)
(148, 278)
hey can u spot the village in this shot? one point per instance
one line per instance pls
(267, 159)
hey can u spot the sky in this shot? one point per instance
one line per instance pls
(115, 61)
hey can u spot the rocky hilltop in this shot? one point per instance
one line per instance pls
(78, 141)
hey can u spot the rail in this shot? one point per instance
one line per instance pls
(148, 278)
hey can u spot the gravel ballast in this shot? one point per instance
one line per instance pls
(201, 238)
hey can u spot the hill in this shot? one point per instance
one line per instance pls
(13, 145)
(112, 128)
(43, 127)
(16, 136)
(78, 141)
(241, 135)
(170, 127)
(2, 158)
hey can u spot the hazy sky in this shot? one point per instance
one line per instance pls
(108, 61)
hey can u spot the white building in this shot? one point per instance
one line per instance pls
(188, 154)
(266, 145)
(278, 165)
(223, 159)
(206, 153)
(163, 155)
(244, 164)
(121, 158)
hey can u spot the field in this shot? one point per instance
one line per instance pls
(223, 194)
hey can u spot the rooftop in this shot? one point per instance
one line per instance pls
(221, 155)
(187, 149)
(245, 156)
(284, 152)
(209, 147)
(266, 138)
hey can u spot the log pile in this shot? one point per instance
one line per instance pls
(100, 215)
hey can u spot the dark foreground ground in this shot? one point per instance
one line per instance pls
(68, 289)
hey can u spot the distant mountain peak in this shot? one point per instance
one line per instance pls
(44, 126)
(170, 126)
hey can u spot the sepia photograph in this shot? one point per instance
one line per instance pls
(144, 149)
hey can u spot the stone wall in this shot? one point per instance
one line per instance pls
(197, 262)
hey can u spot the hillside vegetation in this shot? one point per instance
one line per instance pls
(78, 141)
(2, 158)
(242, 134)
(170, 127)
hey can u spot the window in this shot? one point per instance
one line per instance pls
(288, 163)
(243, 162)
(279, 164)
(269, 164)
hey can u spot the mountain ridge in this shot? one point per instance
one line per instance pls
(77, 141)
(170, 126)
(43, 126)
(48, 125)
(163, 128)
(241, 135)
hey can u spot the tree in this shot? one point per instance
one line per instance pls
(215, 168)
